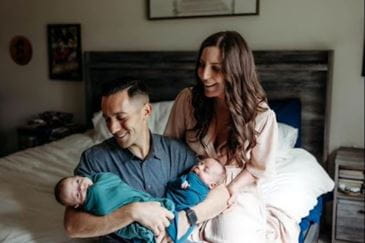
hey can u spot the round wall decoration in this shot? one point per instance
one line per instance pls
(20, 50)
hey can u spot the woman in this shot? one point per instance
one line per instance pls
(226, 116)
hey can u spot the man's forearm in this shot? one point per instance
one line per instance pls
(149, 214)
(79, 224)
(214, 204)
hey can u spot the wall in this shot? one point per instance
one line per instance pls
(122, 25)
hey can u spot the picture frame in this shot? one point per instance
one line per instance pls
(64, 52)
(162, 9)
(363, 60)
(363, 53)
(20, 50)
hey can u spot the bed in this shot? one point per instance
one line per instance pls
(28, 210)
(294, 79)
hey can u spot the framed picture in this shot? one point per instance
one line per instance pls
(363, 60)
(20, 50)
(162, 9)
(64, 52)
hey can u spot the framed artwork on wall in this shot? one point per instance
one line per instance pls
(162, 9)
(363, 61)
(64, 52)
(20, 50)
(363, 53)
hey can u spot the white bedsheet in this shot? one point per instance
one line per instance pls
(28, 210)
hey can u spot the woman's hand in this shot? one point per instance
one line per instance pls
(233, 190)
(243, 179)
(151, 215)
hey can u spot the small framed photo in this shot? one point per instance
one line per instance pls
(162, 9)
(363, 55)
(64, 52)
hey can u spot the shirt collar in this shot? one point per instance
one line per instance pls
(155, 148)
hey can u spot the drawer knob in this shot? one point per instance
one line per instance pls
(361, 211)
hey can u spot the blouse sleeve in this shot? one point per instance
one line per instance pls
(180, 114)
(263, 154)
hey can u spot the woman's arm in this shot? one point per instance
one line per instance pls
(79, 224)
(262, 155)
(181, 112)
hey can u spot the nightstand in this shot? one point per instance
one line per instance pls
(348, 205)
(34, 135)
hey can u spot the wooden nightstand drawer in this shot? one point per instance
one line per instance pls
(348, 198)
(350, 220)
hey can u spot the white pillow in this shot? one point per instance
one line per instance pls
(160, 114)
(157, 122)
(101, 131)
(298, 182)
(287, 137)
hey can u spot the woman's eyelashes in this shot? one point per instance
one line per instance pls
(215, 68)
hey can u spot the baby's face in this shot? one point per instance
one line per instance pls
(74, 190)
(209, 170)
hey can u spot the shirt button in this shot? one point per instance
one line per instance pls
(148, 186)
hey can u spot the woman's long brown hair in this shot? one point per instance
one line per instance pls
(243, 94)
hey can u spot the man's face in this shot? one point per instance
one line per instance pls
(74, 190)
(126, 118)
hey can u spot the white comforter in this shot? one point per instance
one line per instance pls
(28, 210)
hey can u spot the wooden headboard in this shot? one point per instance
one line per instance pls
(284, 74)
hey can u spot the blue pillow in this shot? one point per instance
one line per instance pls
(288, 111)
(313, 217)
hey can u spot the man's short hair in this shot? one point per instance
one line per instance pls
(133, 87)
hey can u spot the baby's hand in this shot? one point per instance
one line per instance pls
(185, 185)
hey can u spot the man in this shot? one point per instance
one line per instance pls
(144, 161)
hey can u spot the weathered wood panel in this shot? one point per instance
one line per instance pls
(284, 74)
(350, 221)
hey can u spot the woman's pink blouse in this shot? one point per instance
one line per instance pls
(262, 156)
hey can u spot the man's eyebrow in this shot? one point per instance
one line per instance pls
(117, 113)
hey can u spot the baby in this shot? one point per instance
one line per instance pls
(190, 189)
(193, 187)
(103, 193)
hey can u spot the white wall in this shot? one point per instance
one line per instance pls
(122, 25)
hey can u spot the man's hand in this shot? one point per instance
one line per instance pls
(163, 238)
(152, 215)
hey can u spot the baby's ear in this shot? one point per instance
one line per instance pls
(212, 185)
